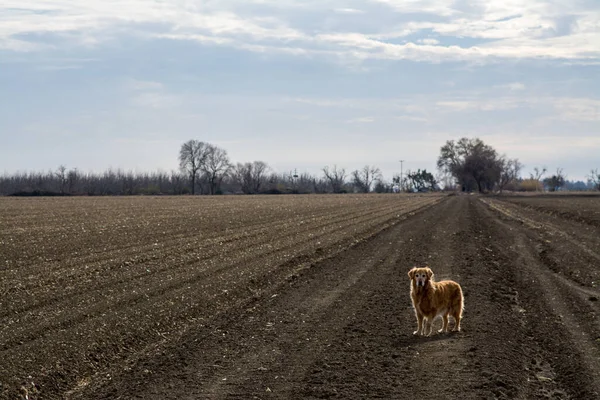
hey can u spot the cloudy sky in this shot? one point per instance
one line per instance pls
(98, 84)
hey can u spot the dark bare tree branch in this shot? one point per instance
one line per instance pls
(471, 162)
(594, 178)
(250, 176)
(556, 181)
(192, 157)
(363, 180)
(336, 178)
(510, 171)
(215, 167)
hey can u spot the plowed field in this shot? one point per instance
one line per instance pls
(296, 297)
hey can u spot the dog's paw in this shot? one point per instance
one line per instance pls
(416, 333)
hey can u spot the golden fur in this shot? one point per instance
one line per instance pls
(431, 299)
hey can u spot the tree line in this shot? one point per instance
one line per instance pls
(476, 166)
(466, 164)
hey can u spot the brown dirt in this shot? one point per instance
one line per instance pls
(295, 297)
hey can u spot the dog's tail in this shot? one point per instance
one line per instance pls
(459, 303)
(458, 308)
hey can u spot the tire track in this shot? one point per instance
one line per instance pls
(561, 321)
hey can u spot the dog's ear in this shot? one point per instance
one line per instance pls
(429, 272)
(411, 273)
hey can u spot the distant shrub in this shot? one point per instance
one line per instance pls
(273, 191)
(151, 190)
(36, 193)
(513, 186)
(531, 185)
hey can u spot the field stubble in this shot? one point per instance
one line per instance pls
(88, 284)
(297, 297)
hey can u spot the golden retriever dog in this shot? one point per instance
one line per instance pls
(431, 299)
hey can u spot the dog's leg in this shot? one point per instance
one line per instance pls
(456, 316)
(419, 330)
(444, 323)
(427, 324)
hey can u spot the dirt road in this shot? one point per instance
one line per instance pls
(343, 328)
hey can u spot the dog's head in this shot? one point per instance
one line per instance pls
(420, 276)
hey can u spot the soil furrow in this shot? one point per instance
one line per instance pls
(173, 307)
(127, 291)
(119, 270)
(561, 319)
(314, 310)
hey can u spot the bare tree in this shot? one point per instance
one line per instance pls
(107, 183)
(319, 185)
(251, 176)
(510, 171)
(72, 180)
(305, 183)
(422, 180)
(472, 162)
(336, 178)
(556, 181)
(216, 167)
(363, 180)
(61, 175)
(382, 186)
(538, 175)
(259, 175)
(242, 174)
(192, 157)
(407, 183)
(594, 178)
(446, 181)
(127, 181)
(293, 183)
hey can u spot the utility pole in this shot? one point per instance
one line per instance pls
(401, 178)
(294, 180)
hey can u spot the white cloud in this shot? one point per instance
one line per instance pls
(576, 109)
(506, 29)
(563, 108)
(435, 7)
(348, 11)
(514, 86)
(525, 147)
(429, 41)
(11, 44)
(149, 94)
(427, 108)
